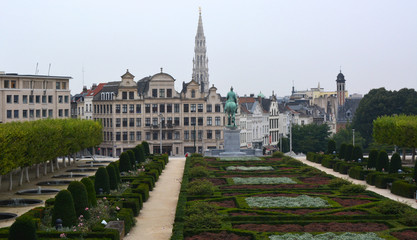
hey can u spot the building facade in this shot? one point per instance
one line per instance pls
(33, 97)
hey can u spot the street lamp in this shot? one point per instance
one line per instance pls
(195, 150)
(353, 138)
(291, 115)
(160, 133)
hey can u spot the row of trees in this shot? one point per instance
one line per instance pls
(24, 144)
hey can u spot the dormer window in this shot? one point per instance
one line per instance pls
(161, 93)
(131, 95)
(169, 93)
(124, 95)
(155, 93)
(193, 93)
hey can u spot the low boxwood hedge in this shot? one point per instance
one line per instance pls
(403, 188)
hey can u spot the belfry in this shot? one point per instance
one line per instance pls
(200, 61)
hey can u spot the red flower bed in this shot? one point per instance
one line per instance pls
(315, 227)
(405, 235)
(226, 204)
(316, 180)
(349, 213)
(271, 186)
(231, 194)
(243, 214)
(277, 195)
(350, 202)
(216, 181)
(258, 175)
(218, 236)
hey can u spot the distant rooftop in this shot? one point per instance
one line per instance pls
(15, 75)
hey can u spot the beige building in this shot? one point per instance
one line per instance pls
(152, 110)
(33, 97)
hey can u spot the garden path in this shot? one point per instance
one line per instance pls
(156, 219)
(382, 192)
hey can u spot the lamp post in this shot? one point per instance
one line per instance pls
(353, 138)
(290, 133)
(160, 133)
(195, 150)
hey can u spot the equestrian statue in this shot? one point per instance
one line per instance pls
(231, 108)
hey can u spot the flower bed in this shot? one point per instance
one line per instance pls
(405, 235)
(326, 236)
(218, 236)
(263, 180)
(315, 227)
(240, 159)
(244, 168)
(300, 201)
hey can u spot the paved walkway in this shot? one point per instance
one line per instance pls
(383, 192)
(156, 219)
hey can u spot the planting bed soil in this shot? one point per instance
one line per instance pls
(316, 180)
(218, 236)
(225, 204)
(349, 202)
(297, 211)
(216, 181)
(263, 187)
(315, 227)
(405, 235)
(349, 213)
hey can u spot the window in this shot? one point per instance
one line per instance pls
(9, 113)
(161, 108)
(25, 113)
(117, 122)
(176, 121)
(147, 122)
(118, 135)
(13, 84)
(124, 108)
(200, 134)
(193, 135)
(66, 99)
(148, 136)
(131, 95)
(131, 108)
(31, 113)
(169, 93)
(169, 121)
(44, 113)
(155, 108)
(7, 85)
(155, 121)
(161, 93)
(138, 108)
(209, 134)
(16, 98)
(117, 108)
(155, 136)
(176, 135)
(200, 121)
(169, 137)
(147, 108)
(209, 121)
(124, 95)
(43, 99)
(124, 122)
(208, 107)
(50, 113)
(192, 121)
(169, 108)
(186, 135)
(200, 107)
(185, 107)
(176, 108)
(64, 85)
(58, 85)
(138, 136)
(132, 136)
(218, 134)
(60, 113)
(124, 136)
(59, 99)
(193, 93)
(154, 92)
(217, 108)
(31, 99)
(138, 122)
(131, 122)
(50, 99)
(217, 121)
(186, 121)
(25, 99)
(192, 107)
(9, 98)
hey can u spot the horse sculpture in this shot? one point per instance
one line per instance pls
(230, 108)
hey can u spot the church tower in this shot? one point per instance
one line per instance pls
(341, 93)
(200, 61)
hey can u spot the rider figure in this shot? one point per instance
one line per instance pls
(232, 96)
(231, 107)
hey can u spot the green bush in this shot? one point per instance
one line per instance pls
(408, 218)
(353, 188)
(200, 187)
(381, 180)
(198, 162)
(145, 145)
(357, 153)
(196, 155)
(342, 151)
(395, 163)
(116, 169)
(291, 161)
(91, 192)
(124, 162)
(64, 209)
(136, 151)
(338, 182)
(348, 152)
(198, 172)
(328, 161)
(126, 215)
(202, 215)
(357, 173)
(132, 158)
(80, 197)
(141, 151)
(143, 189)
(342, 167)
(278, 154)
(132, 204)
(390, 207)
(24, 227)
(373, 157)
(112, 177)
(370, 178)
(415, 172)
(382, 162)
(318, 158)
(102, 180)
(404, 189)
(331, 146)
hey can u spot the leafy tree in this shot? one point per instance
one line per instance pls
(395, 163)
(342, 151)
(382, 162)
(64, 209)
(331, 146)
(285, 145)
(373, 157)
(345, 135)
(357, 153)
(310, 137)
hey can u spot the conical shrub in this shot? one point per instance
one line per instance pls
(382, 162)
(331, 146)
(373, 157)
(102, 181)
(91, 192)
(124, 162)
(395, 163)
(348, 152)
(23, 228)
(80, 197)
(357, 153)
(145, 145)
(112, 177)
(342, 151)
(64, 209)
(116, 169)
(132, 158)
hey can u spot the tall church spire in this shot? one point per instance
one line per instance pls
(200, 61)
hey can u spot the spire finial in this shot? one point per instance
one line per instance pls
(340, 68)
(199, 10)
(161, 69)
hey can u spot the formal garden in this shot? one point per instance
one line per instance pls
(279, 197)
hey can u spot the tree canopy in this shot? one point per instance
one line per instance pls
(310, 137)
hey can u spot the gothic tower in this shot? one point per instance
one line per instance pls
(200, 61)
(341, 93)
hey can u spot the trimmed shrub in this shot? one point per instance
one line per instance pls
(102, 180)
(136, 152)
(196, 155)
(143, 189)
(124, 162)
(23, 228)
(116, 169)
(342, 151)
(331, 146)
(112, 177)
(395, 163)
(91, 192)
(80, 197)
(373, 157)
(198, 172)
(415, 173)
(353, 188)
(402, 188)
(389, 207)
(278, 154)
(357, 153)
(133, 204)
(200, 187)
(202, 215)
(357, 173)
(328, 161)
(338, 182)
(145, 145)
(348, 152)
(370, 178)
(126, 215)
(64, 209)
(382, 162)
(141, 151)
(132, 158)
(381, 180)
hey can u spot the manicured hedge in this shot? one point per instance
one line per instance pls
(358, 173)
(382, 180)
(404, 189)
(370, 178)
(126, 214)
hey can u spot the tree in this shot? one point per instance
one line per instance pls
(141, 152)
(132, 158)
(345, 135)
(395, 163)
(380, 102)
(310, 137)
(91, 193)
(23, 228)
(342, 151)
(357, 153)
(382, 162)
(112, 177)
(331, 146)
(285, 145)
(373, 157)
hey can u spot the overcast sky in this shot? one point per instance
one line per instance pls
(254, 46)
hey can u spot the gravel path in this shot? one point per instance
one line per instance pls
(156, 219)
(383, 192)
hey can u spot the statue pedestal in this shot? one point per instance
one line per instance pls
(232, 142)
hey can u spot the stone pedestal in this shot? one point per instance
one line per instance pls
(231, 141)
